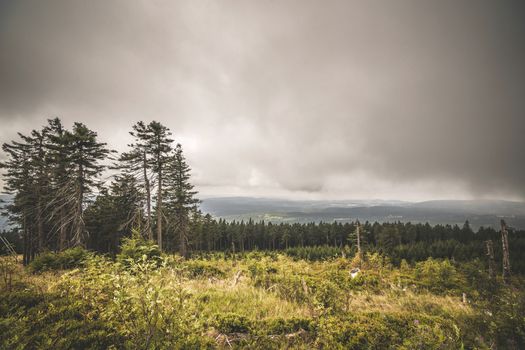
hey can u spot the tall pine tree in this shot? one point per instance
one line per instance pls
(146, 162)
(85, 156)
(19, 184)
(180, 197)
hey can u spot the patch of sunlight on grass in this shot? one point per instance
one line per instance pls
(408, 301)
(243, 299)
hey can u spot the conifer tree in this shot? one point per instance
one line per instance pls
(57, 158)
(39, 185)
(159, 146)
(18, 182)
(136, 164)
(113, 215)
(85, 155)
(180, 197)
(146, 162)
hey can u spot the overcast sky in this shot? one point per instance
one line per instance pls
(408, 100)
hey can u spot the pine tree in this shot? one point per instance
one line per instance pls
(209, 232)
(37, 182)
(159, 146)
(57, 158)
(180, 197)
(136, 164)
(355, 237)
(34, 175)
(85, 155)
(18, 182)
(128, 201)
(147, 161)
(40, 183)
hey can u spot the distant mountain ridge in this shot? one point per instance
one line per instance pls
(478, 212)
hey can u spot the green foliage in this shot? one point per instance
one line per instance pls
(7, 272)
(144, 300)
(260, 268)
(67, 259)
(290, 325)
(164, 302)
(438, 276)
(205, 269)
(508, 321)
(134, 250)
(327, 297)
(396, 331)
(32, 320)
(315, 253)
(232, 323)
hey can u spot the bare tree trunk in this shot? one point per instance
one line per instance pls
(490, 255)
(78, 239)
(159, 210)
(505, 242)
(182, 238)
(148, 198)
(62, 242)
(358, 234)
(27, 240)
(40, 225)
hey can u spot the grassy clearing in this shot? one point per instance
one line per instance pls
(260, 301)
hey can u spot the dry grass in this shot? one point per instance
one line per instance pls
(406, 302)
(221, 296)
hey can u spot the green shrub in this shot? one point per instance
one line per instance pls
(261, 268)
(285, 326)
(137, 249)
(32, 320)
(67, 259)
(390, 331)
(365, 280)
(437, 276)
(206, 269)
(327, 296)
(19, 300)
(232, 323)
(315, 253)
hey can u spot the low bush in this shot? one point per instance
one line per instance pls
(200, 268)
(232, 323)
(392, 331)
(438, 276)
(67, 259)
(34, 320)
(138, 249)
(315, 253)
(260, 268)
(287, 326)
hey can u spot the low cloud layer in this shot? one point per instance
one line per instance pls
(333, 99)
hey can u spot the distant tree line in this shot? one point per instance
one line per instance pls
(60, 201)
(412, 242)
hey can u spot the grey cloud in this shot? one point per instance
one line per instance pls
(337, 98)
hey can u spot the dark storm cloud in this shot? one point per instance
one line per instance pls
(404, 99)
